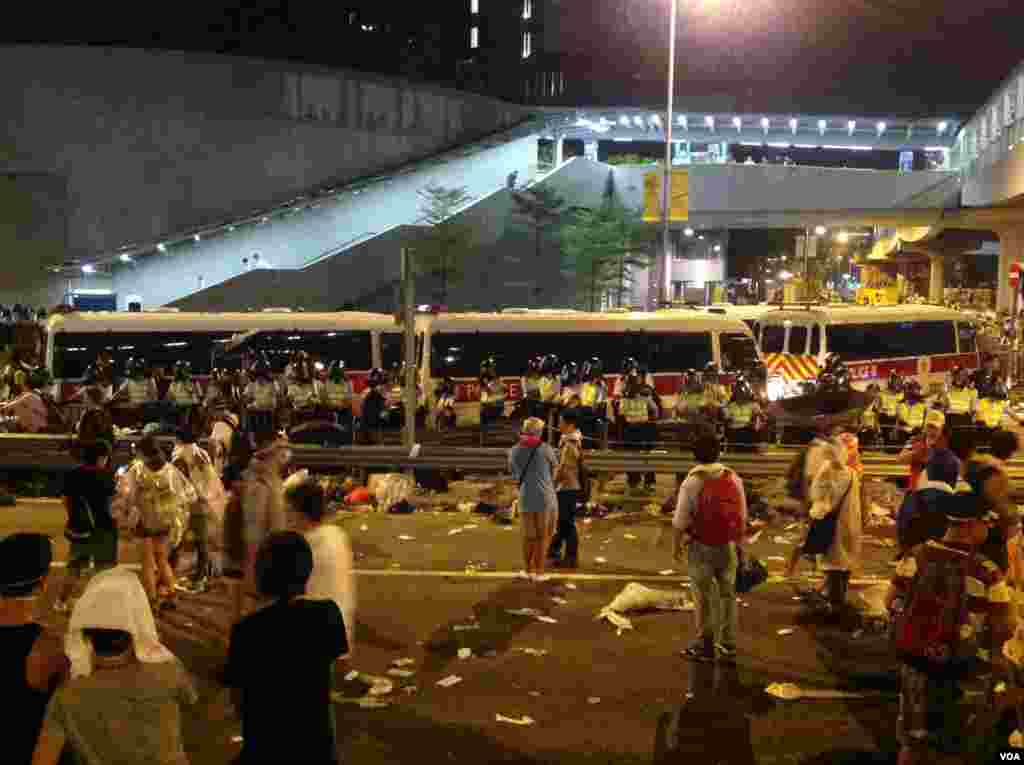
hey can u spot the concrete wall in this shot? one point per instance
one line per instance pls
(997, 183)
(151, 142)
(33, 209)
(297, 240)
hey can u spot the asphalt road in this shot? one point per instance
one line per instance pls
(596, 696)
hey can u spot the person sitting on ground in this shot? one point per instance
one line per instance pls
(91, 530)
(308, 636)
(532, 464)
(952, 575)
(123, 701)
(333, 576)
(710, 522)
(32, 660)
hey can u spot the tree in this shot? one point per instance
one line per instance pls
(584, 248)
(539, 210)
(441, 249)
(627, 241)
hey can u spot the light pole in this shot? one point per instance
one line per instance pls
(666, 202)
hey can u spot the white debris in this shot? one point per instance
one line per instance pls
(560, 601)
(667, 572)
(637, 597)
(600, 560)
(406, 538)
(364, 527)
(570, 586)
(465, 627)
(403, 662)
(777, 558)
(380, 686)
(453, 532)
(352, 675)
(786, 631)
(593, 699)
(533, 651)
(394, 672)
(465, 653)
(522, 611)
(782, 541)
(535, 694)
(449, 681)
(791, 692)
(524, 720)
(547, 619)
(628, 536)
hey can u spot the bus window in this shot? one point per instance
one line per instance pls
(798, 340)
(354, 347)
(672, 352)
(860, 342)
(815, 340)
(458, 354)
(74, 352)
(392, 348)
(773, 338)
(739, 352)
(968, 337)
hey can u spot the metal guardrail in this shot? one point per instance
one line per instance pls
(52, 453)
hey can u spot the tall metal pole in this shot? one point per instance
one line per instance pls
(410, 399)
(664, 289)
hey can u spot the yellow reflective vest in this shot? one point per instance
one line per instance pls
(889, 403)
(962, 400)
(740, 415)
(337, 395)
(635, 410)
(593, 394)
(912, 416)
(990, 412)
(550, 388)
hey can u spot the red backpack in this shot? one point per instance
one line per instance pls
(929, 625)
(718, 519)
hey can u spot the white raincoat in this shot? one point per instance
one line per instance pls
(828, 489)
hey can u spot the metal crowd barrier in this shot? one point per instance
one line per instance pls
(53, 454)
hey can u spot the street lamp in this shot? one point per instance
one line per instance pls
(820, 230)
(666, 277)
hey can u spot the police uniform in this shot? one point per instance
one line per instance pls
(373, 406)
(445, 417)
(593, 407)
(533, 406)
(888, 408)
(961, 405)
(911, 415)
(991, 408)
(336, 395)
(261, 396)
(638, 413)
(492, 400)
(741, 421)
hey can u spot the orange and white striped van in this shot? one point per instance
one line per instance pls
(916, 341)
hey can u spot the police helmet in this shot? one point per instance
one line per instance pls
(691, 381)
(535, 365)
(135, 368)
(630, 365)
(550, 365)
(336, 372)
(182, 371)
(895, 383)
(741, 390)
(997, 390)
(593, 369)
(912, 390)
(570, 373)
(375, 378)
(711, 373)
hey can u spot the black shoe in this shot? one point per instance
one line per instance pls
(726, 654)
(700, 651)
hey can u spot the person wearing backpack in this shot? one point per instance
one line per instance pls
(156, 497)
(710, 522)
(940, 592)
(569, 490)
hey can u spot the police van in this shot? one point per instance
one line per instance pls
(916, 341)
(667, 343)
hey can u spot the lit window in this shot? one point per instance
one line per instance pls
(474, 37)
(527, 44)
(527, 9)
(474, 6)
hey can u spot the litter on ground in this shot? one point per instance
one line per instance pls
(524, 720)
(465, 627)
(406, 538)
(600, 560)
(403, 662)
(522, 611)
(449, 681)
(395, 672)
(791, 692)
(364, 527)
(533, 651)
(547, 620)
(628, 536)
(560, 601)
(667, 572)
(786, 631)
(637, 597)
(594, 700)
(570, 586)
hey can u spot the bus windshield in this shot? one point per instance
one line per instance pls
(739, 352)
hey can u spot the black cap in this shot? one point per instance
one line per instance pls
(24, 560)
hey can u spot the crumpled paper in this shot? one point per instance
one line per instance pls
(524, 720)
(637, 597)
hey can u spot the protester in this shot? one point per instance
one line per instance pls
(568, 491)
(263, 510)
(123, 701)
(916, 452)
(823, 447)
(836, 521)
(91, 530)
(922, 515)
(27, 407)
(285, 704)
(333, 576)
(948, 577)
(533, 463)
(222, 437)
(157, 494)
(710, 522)
(32, 661)
(196, 465)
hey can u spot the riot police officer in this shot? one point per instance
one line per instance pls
(638, 414)
(960, 400)
(336, 394)
(570, 382)
(869, 432)
(593, 402)
(261, 397)
(742, 414)
(373, 405)
(445, 417)
(912, 410)
(303, 395)
(492, 393)
(888, 406)
(717, 392)
(992, 404)
(183, 391)
(691, 407)
(532, 405)
(550, 385)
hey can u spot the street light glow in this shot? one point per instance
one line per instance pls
(624, 121)
(820, 230)
(656, 120)
(710, 122)
(821, 126)
(943, 127)
(881, 126)
(162, 247)
(793, 122)
(87, 269)
(851, 126)
(765, 123)
(843, 237)
(718, 248)
(638, 120)
(126, 258)
(737, 123)
(688, 231)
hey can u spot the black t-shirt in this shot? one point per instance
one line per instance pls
(94, 486)
(280, 658)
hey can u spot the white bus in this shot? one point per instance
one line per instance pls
(668, 342)
(361, 340)
(916, 341)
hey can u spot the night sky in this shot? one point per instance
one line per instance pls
(904, 57)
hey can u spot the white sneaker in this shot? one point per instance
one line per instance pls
(524, 575)
(542, 577)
